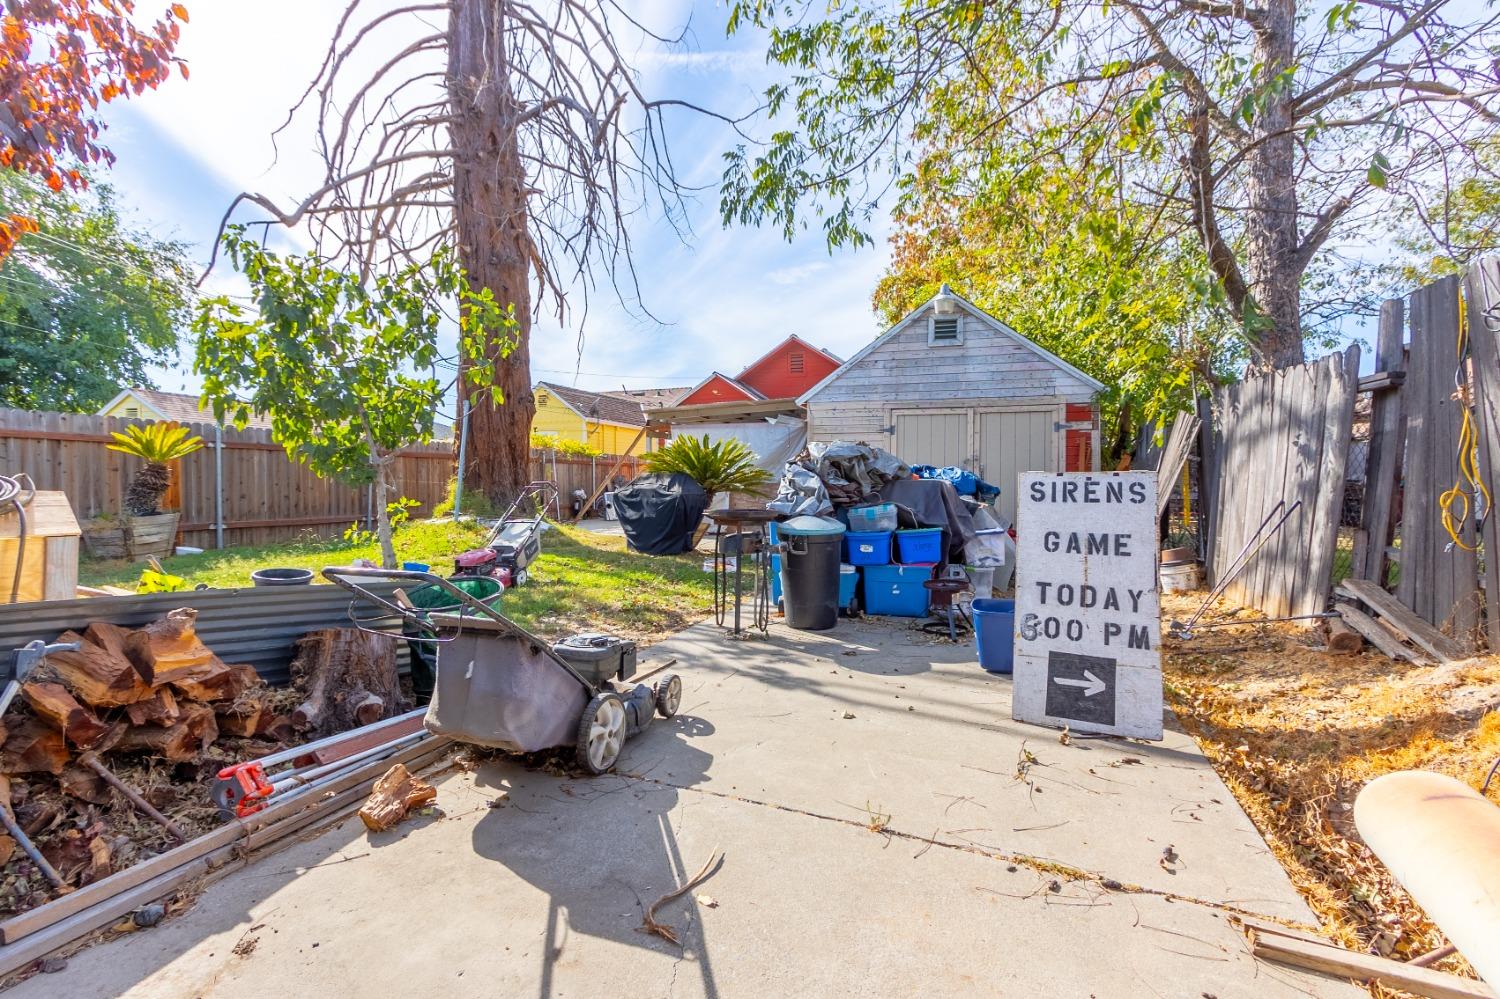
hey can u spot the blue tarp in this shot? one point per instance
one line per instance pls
(964, 481)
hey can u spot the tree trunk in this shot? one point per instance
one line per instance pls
(494, 244)
(381, 463)
(1273, 268)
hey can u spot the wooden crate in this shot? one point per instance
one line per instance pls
(49, 566)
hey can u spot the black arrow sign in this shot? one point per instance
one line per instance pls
(1081, 688)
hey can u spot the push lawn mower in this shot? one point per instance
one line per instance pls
(516, 541)
(499, 685)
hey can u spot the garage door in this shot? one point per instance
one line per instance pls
(930, 438)
(1013, 442)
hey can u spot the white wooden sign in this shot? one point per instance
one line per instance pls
(1088, 615)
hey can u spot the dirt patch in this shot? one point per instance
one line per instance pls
(1296, 733)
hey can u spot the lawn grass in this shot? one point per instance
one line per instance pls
(581, 582)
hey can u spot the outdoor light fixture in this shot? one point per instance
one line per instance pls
(945, 303)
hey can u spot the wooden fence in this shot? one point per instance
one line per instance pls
(1426, 530)
(264, 496)
(1280, 443)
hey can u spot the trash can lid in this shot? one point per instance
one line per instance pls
(811, 526)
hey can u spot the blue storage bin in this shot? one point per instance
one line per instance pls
(867, 548)
(897, 590)
(994, 633)
(873, 518)
(848, 580)
(920, 546)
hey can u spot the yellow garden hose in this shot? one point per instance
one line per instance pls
(1455, 498)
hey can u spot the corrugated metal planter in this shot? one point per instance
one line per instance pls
(252, 625)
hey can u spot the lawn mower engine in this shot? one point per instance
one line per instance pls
(483, 562)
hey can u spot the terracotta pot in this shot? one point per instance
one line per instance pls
(156, 535)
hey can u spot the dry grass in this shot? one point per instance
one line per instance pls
(1296, 733)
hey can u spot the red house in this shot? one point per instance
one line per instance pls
(788, 370)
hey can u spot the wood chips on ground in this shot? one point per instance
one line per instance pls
(1296, 733)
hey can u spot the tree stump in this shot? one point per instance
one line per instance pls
(347, 678)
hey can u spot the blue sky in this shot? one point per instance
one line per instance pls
(720, 301)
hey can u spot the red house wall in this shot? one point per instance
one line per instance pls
(777, 377)
(1080, 443)
(716, 389)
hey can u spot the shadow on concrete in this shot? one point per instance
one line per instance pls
(603, 849)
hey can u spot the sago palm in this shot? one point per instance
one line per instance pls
(155, 444)
(728, 466)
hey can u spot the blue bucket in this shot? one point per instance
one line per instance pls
(994, 633)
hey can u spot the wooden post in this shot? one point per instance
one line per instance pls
(1482, 299)
(608, 476)
(1387, 442)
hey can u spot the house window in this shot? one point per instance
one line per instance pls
(797, 359)
(943, 330)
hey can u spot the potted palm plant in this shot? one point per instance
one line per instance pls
(151, 531)
(726, 467)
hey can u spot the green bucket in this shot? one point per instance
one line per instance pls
(432, 598)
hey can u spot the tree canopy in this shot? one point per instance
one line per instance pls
(87, 303)
(59, 60)
(1262, 134)
(344, 367)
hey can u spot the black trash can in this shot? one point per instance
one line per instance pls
(810, 571)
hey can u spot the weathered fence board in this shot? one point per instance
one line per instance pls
(1439, 579)
(1482, 300)
(1387, 443)
(1279, 437)
(266, 497)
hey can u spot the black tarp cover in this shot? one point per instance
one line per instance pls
(659, 513)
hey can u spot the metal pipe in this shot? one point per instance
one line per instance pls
(132, 795)
(286, 755)
(463, 449)
(218, 485)
(16, 833)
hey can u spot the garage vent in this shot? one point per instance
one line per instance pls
(944, 330)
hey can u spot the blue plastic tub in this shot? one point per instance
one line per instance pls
(920, 546)
(897, 590)
(848, 580)
(873, 518)
(867, 548)
(994, 633)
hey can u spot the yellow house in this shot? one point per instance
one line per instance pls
(609, 422)
(153, 404)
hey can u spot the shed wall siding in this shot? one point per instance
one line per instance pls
(990, 365)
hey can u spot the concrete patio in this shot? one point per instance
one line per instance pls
(894, 852)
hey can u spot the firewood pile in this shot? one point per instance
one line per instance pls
(155, 708)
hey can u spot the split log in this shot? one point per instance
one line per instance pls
(55, 706)
(1342, 639)
(109, 637)
(395, 794)
(33, 747)
(168, 648)
(348, 678)
(240, 720)
(95, 675)
(216, 682)
(181, 742)
(85, 785)
(161, 709)
(277, 728)
(7, 849)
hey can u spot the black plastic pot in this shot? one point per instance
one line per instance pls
(281, 577)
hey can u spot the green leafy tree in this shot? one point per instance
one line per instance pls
(1049, 246)
(87, 302)
(1466, 226)
(1265, 132)
(335, 362)
(155, 444)
(728, 466)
